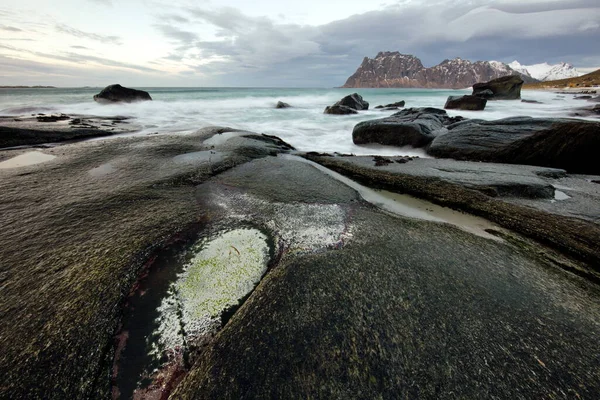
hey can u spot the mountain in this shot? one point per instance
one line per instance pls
(545, 71)
(591, 79)
(395, 70)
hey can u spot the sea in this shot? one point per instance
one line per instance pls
(304, 126)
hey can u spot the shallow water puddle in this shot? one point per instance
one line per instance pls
(26, 159)
(413, 207)
(102, 170)
(185, 296)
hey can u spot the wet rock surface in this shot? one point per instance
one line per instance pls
(339, 110)
(391, 106)
(562, 230)
(351, 319)
(503, 88)
(570, 144)
(42, 128)
(117, 93)
(355, 299)
(348, 105)
(473, 103)
(558, 143)
(493, 179)
(281, 104)
(415, 127)
(77, 231)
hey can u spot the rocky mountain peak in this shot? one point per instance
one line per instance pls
(393, 69)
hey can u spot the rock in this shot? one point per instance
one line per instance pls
(472, 103)
(411, 127)
(572, 145)
(52, 118)
(353, 294)
(353, 101)
(392, 106)
(397, 305)
(395, 70)
(40, 129)
(485, 94)
(531, 101)
(595, 99)
(496, 180)
(339, 110)
(118, 93)
(582, 97)
(503, 88)
(47, 276)
(281, 104)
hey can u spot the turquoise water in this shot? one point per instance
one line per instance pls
(184, 110)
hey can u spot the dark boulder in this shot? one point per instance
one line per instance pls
(392, 106)
(411, 127)
(353, 101)
(118, 93)
(504, 88)
(572, 145)
(339, 110)
(281, 104)
(531, 101)
(472, 103)
(485, 94)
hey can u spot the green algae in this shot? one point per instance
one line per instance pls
(224, 271)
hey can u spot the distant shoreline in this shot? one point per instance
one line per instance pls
(27, 87)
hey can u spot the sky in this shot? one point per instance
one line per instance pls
(277, 43)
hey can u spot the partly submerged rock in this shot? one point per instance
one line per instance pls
(39, 129)
(411, 127)
(353, 101)
(472, 103)
(118, 93)
(504, 88)
(339, 110)
(573, 145)
(392, 106)
(281, 104)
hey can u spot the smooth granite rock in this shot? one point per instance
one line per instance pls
(410, 127)
(503, 88)
(572, 145)
(471, 103)
(351, 102)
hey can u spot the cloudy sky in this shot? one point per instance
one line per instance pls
(307, 43)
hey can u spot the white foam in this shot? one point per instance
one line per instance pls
(303, 125)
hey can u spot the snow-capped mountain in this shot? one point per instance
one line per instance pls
(545, 71)
(393, 69)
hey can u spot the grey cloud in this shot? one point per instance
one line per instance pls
(87, 35)
(172, 32)
(81, 58)
(80, 47)
(543, 31)
(524, 7)
(10, 28)
(174, 18)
